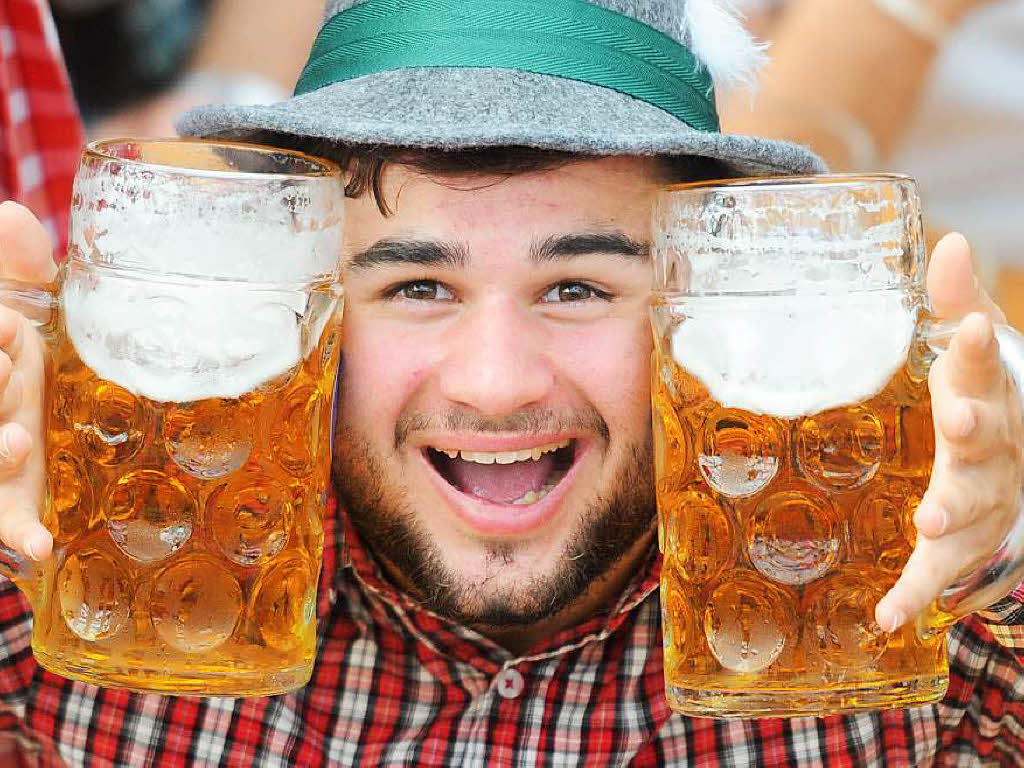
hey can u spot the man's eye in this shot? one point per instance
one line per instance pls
(573, 291)
(423, 290)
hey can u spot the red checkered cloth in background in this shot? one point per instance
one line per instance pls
(40, 131)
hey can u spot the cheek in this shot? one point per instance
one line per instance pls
(611, 366)
(381, 369)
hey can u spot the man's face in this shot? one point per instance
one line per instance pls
(493, 437)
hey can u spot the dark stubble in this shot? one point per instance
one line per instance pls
(382, 515)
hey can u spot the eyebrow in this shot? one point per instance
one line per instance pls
(420, 252)
(566, 247)
(454, 255)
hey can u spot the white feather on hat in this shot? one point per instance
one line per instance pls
(714, 31)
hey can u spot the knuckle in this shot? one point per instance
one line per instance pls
(961, 422)
(8, 326)
(10, 461)
(946, 491)
(13, 527)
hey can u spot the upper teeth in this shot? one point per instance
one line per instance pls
(505, 457)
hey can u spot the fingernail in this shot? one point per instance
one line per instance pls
(897, 621)
(27, 546)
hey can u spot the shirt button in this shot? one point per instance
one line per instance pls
(510, 684)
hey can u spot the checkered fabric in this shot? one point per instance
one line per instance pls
(40, 133)
(397, 685)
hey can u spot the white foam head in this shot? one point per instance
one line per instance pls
(791, 356)
(790, 297)
(178, 289)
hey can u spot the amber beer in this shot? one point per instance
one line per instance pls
(780, 535)
(188, 536)
(794, 442)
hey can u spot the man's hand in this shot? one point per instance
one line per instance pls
(975, 492)
(26, 256)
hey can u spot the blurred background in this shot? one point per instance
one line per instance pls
(934, 88)
(135, 65)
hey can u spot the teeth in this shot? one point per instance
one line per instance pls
(532, 497)
(505, 457)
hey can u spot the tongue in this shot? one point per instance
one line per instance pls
(502, 483)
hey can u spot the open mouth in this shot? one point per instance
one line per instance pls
(505, 477)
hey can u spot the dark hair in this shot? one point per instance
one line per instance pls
(365, 164)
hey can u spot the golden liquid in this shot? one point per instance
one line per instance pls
(188, 536)
(779, 538)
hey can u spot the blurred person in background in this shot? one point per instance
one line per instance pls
(136, 65)
(934, 88)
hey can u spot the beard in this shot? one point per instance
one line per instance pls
(382, 515)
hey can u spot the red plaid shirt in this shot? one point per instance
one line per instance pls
(397, 685)
(40, 133)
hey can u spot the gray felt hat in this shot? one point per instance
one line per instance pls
(391, 78)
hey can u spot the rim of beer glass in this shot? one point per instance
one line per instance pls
(103, 150)
(823, 179)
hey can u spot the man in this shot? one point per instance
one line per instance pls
(496, 290)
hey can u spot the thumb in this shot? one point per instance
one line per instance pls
(26, 253)
(953, 288)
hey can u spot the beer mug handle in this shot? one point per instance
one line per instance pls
(37, 303)
(1005, 569)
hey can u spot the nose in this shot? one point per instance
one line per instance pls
(495, 362)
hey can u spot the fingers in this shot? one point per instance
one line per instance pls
(974, 494)
(11, 341)
(961, 497)
(10, 332)
(953, 289)
(22, 463)
(972, 366)
(21, 530)
(26, 252)
(15, 446)
(10, 390)
(974, 403)
(927, 573)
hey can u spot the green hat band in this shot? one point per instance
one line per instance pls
(572, 39)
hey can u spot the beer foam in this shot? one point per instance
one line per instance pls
(157, 295)
(794, 355)
(178, 343)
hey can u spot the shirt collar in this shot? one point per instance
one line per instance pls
(346, 556)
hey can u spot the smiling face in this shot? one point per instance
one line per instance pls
(493, 436)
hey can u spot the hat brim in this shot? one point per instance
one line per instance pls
(452, 109)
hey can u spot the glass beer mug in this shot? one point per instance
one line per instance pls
(793, 442)
(193, 338)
